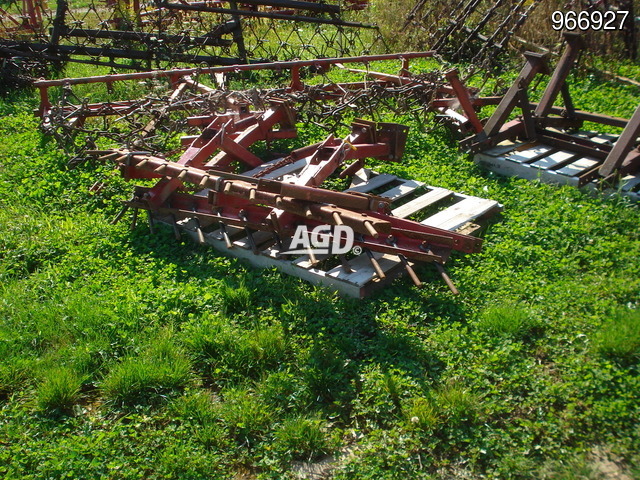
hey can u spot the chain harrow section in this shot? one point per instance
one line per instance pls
(149, 121)
(143, 35)
(479, 31)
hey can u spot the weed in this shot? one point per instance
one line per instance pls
(302, 438)
(233, 353)
(283, 391)
(379, 402)
(236, 299)
(247, 419)
(212, 436)
(14, 374)
(509, 320)
(58, 391)
(620, 337)
(198, 407)
(208, 340)
(421, 413)
(456, 402)
(161, 370)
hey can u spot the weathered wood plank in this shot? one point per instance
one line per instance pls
(402, 190)
(578, 166)
(530, 154)
(373, 183)
(423, 201)
(284, 170)
(460, 213)
(629, 182)
(258, 237)
(554, 159)
(502, 148)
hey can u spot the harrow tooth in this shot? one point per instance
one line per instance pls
(120, 214)
(182, 174)
(134, 220)
(278, 241)
(446, 278)
(345, 264)
(337, 218)
(312, 257)
(151, 222)
(252, 241)
(410, 271)
(372, 231)
(176, 230)
(375, 264)
(200, 233)
(225, 236)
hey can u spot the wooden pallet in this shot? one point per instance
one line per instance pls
(537, 161)
(433, 206)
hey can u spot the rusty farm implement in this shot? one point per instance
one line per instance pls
(547, 141)
(220, 191)
(269, 202)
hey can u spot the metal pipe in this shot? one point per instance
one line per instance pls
(275, 16)
(231, 68)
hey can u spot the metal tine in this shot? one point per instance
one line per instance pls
(151, 222)
(312, 256)
(446, 278)
(199, 232)
(225, 235)
(375, 264)
(345, 264)
(278, 241)
(120, 214)
(252, 242)
(134, 220)
(410, 271)
(405, 263)
(247, 230)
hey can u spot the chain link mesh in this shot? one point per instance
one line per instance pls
(121, 34)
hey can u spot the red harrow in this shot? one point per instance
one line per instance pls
(202, 186)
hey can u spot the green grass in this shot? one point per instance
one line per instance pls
(619, 337)
(58, 391)
(507, 321)
(130, 355)
(160, 370)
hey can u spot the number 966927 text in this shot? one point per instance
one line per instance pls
(596, 20)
